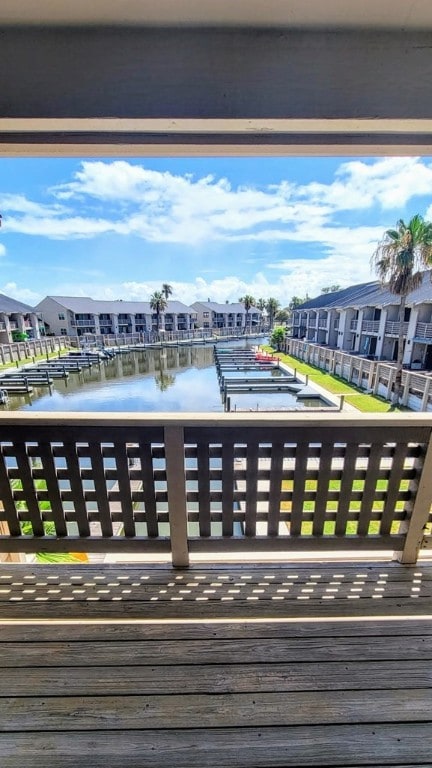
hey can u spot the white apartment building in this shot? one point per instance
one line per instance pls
(17, 318)
(77, 316)
(364, 319)
(212, 315)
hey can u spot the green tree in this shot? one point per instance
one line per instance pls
(166, 290)
(331, 288)
(248, 302)
(272, 307)
(297, 301)
(158, 304)
(398, 260)
(282, 316)
(277, 338)
(261, 304)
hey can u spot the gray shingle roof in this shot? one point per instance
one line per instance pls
(370, 294)
(213, 306)
(84, 304)
(9, 305)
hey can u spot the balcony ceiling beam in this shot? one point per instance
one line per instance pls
(83, 91)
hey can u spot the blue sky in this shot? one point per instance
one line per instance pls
(212, 227)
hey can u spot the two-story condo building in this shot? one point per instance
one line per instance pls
(212, 315)
(364, 319)
(77, 316)
(16, 317)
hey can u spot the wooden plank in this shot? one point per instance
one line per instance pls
(124, 488)
(320, 506)
(298, 489)
(217, 609)
(220, 678)
(420, 511)
(33, 513)
(369, 489)
(71, 631)
(53, 490)
(176, 652)
(203, 488)
(346, 487)
(210, 711)
(8, 511)
(251, 488)
(99, 479)
(177, 504)
(275, 487)
(148, 487)
(393, 488)
(74, 472)
(227, 487)
(195, 590)
(342, 745)
(259, 568)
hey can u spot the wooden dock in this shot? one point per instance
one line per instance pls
(265, 666)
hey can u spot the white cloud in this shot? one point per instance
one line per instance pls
(161, 207)
(389, 182)
(26, 295)
(2, 250)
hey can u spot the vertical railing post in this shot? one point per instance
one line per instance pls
(406, 389)
(176, 490)
(420, 511)
(425, 398)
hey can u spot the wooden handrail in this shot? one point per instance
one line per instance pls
(207, 483)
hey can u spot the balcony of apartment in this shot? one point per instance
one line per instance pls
(312, 321)
(322, 321)
(370, 326)
(277, 656)
(392, 328)
(88, 322)
(2, 326)
(423, 331)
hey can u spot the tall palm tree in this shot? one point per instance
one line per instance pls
(398, 260)
(272, 307)
(167, 290)
(158, 304)
(248, 302)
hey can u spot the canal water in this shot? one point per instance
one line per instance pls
(174, 379)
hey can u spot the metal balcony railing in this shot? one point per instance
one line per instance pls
(370, 326)
(392, 328)
(424, 330)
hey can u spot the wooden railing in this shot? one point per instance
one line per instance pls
(20, 350)
(372, 375)
(193, 483)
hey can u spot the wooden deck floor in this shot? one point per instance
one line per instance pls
(251, 667)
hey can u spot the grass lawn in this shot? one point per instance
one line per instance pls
(29, 360)
(332, 506)
(337, 386)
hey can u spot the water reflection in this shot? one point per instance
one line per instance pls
(175, 379)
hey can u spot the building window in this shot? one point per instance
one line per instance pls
(63, 331)
(205, 314)
(61, 316)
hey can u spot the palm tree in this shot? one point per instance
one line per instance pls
(248, 302)
(167, 290)
(272, 307)
(158, 304)
(398, 260)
